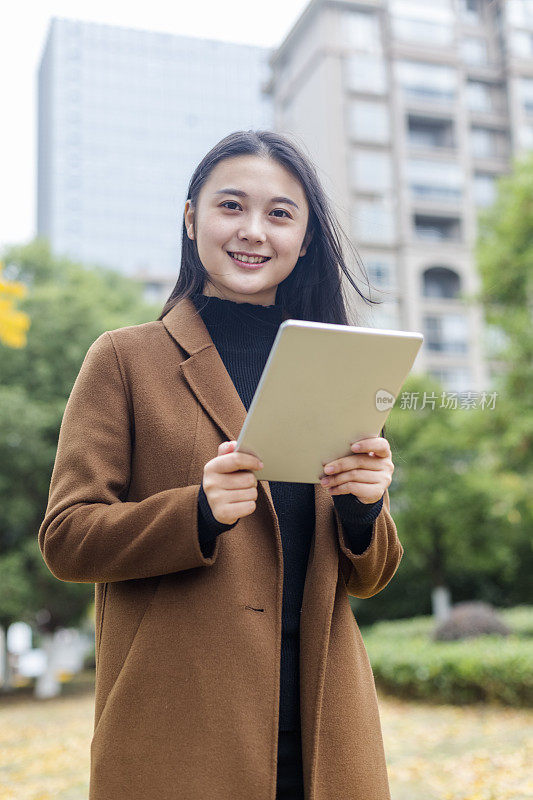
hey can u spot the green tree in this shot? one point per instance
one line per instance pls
(446, 503)
(505, 262)
(461, 493)
(69, 305)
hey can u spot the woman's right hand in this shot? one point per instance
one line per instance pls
(230, 484)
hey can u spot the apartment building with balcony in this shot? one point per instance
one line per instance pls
(411, 111)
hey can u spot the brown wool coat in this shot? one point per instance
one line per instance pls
(187, 647)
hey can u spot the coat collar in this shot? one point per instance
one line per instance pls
(206, 373)
(204, 370)
(186, 326)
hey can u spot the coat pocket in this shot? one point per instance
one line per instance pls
(99, 625)
(121, 674)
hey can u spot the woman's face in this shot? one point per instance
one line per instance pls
(249, 205)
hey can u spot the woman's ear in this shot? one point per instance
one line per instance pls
(189, 219)
(305, 245)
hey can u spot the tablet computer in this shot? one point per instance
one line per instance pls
(323, 387)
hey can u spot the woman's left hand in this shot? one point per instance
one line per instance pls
(366, 474)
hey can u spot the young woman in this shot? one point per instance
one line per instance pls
(229, 663)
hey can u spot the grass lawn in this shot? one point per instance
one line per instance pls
(433, 752)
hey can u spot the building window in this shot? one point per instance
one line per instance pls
(453, 379)
(437, 11)
(479, 96)
(484, 189)
(520, 13)
(365, 73)
(434, 180)
(371, 171)
(432, 228)
(525, 137)
(361, 31)
(488, 143)
(368, 121)
(526, 94)
(380, 272)
(430, 133)
(374, 221)
(470, 11)
(422, 31)
(522, 44)
(432, 83)
(446, 333)
(474, 51)
(441, 282)
(426, 23)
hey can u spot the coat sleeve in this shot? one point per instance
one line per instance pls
(89, 534)
(357, 520)
(367, 573)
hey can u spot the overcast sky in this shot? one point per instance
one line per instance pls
(24, 24)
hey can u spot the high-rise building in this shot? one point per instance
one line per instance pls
(124, 117)
(412, 110)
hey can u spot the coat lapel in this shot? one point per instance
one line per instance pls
(206, 374)
(204, 370)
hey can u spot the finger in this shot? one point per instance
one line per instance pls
(347, 463)
(226, 447)
(238, 510)
(239, 480)
(357, 475)
(244, 508)
(236, 461)
(377, 445)
(241, 495)
(354, 462)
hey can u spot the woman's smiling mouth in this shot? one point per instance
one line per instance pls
(248, 262)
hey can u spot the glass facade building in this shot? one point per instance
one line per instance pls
(124, 117)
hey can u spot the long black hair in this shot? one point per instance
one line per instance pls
(313, 290)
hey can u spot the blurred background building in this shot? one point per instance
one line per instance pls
(422, 106)
(410, 109)
(124, 118)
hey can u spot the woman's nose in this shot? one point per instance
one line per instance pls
(252, 231)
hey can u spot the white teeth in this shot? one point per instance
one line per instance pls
(249, 259)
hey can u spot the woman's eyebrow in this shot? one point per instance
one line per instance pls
(240, 193)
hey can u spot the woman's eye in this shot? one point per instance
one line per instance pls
(228, 203)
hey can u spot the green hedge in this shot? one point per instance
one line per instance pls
(492, 669)
(519, 619)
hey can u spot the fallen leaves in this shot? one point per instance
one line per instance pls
(447, 752)
(45, 748)
(433, 752)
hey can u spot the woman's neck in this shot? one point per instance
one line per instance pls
(266, 298)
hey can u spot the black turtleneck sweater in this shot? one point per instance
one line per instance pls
(243, 334)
